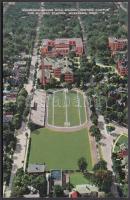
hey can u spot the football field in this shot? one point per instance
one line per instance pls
(66, 109)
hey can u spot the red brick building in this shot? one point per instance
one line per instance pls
(62, 47)
(122, 67)
(49, 68)
(57, 72)
(117, 44)
(68, 75)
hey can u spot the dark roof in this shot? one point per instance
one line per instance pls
(56, 174)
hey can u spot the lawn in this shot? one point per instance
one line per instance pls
(59, 150)
(66, 108)
(77, 178)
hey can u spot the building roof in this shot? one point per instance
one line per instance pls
(74, 194)
(62, 41)
(78, 41)
(36, 168)
(20, 63)
(86, 188)
(57, 177)
(48, 61)
(67, 70)
(56, 174)
(32, 195)
(114, 39)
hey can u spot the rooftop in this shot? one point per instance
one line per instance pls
(63, 41)
(86, 188)
(114, 39)
(36, 168)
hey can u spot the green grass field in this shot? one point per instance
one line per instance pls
(59, 150)
(66, 109)
(78, 178)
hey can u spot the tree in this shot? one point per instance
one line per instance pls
(62, 78)
(82, 164)
(95, 132)
(8, 87)
(72, 54)
(94, 119)
(58, 191)
(101, 165)
(23, 92)
(20, 184)
(103, 178)
(16, 121)
(40, 183)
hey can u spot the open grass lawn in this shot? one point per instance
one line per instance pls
(66, 108)
(77, 178)
(59, 150)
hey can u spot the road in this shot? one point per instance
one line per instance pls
(83, 31)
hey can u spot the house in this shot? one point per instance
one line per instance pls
(61, 47)
(36, 168)
(87, 190)
(122, 67)
(117, 44)
(58, 177)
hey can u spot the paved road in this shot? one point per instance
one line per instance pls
(83, 31)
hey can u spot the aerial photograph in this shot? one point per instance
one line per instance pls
(65, 99)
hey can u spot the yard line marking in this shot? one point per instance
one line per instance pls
(47, 109)
(53, 109)
(66, 116)
(79, 107)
